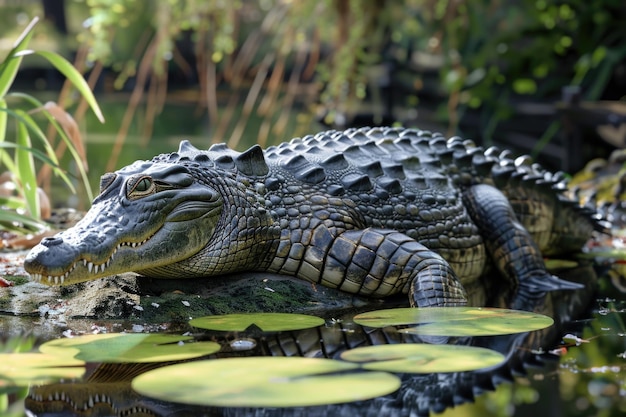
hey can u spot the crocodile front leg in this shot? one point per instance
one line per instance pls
(373, 262)
(508, 243)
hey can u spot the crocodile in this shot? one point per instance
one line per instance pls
(369, 211)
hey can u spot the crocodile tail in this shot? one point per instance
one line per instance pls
(573, 225)
(527, 183)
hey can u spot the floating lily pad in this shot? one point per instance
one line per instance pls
(22, 369)
(423, 358)
(264, 382)
(268, 322)
(135, 347)
(456, 321)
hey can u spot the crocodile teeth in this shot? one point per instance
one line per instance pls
(91, 267)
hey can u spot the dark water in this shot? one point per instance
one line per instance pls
(574, 368)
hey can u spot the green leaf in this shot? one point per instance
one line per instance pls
(135, 347)
(10, 65)
(11, 220)
(70, 145)
(264, 382)
(51, 158)
(67, 69)
(456, 321)
(423, 358)
(26, 169)
(22, 369)
(524, 86)
(3, 119)
(10, 217)
(11, 202)
(268, 322)
(35, 152)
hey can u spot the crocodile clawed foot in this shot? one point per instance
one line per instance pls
(541, 283)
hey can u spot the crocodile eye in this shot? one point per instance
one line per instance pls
(143, 185)
(140, 187)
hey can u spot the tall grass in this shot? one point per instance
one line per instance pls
(21, 210)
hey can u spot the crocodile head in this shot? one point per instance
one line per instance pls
(147, 215)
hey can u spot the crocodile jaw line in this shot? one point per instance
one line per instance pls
(90, 266)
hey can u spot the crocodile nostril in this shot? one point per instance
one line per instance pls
(51, 241)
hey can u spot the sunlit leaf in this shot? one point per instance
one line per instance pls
(3, 119)
(423, 358)
(552, 264)
(35, 152)
(524, 86)
(26, 169)
(67, 69)
(9, 219)
(456, 321)
(264, 382)
(21, 369)
(69, 126)
(269, 322)
(51, 158)
(135, 347)
(76, 155)
(10, 65)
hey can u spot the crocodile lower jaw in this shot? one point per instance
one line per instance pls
(91, 267)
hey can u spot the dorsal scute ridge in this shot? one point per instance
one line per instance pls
(374, 152)
(252, 162)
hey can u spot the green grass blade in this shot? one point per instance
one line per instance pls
(75, 155)
(70, 145)
(3, 119)
(5, 159)
(13, 203)
(4, 156)
(26, 168)
(67, 69)
(10, 65)
(35, 152)
(30, 123)
(51, 158)
(10, 220)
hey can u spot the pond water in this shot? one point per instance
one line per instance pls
(575, 368)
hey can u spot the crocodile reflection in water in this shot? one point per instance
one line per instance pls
(108, 390)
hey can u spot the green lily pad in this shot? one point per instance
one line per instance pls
(268, 322)
(23, 369)
(456, 321)
(135, 347)
(423, 358)
(264, 382)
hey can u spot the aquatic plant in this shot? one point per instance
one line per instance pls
(22, 207)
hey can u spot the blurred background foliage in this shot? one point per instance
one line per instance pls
(262, 71)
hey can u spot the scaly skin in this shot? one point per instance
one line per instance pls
(369, 211)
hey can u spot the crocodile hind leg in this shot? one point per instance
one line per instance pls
(510, 245)
(377, 262)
